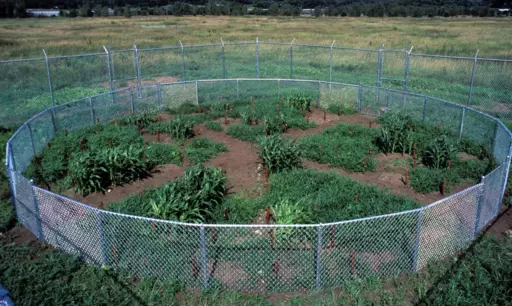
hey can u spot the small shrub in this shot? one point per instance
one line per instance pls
(178, 128)
(201, 149)
(279, 154)
(439, 152)
(214, 126)
(164, 153)
(300, 101)
(185, 108)
(248, 117)
(426, 180)
(93, 171)
(395, 133)
(191, 198)
(275, 124)
(246, 132)
(340, 109)
(142, 119)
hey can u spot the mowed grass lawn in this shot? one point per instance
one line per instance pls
(21, 38)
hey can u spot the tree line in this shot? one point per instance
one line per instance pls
(318, 8)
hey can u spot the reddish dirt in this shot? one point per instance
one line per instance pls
(20, 235)
(241, 162)
(466, 156)
(317, 116)
(502, 223)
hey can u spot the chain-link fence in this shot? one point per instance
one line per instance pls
(28, 86)
(258, 257)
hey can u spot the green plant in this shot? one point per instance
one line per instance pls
(248, 117)
(201, 149)
(438, 152)
(395, 133)
(341, 109)
(275, 124)
(178, 128)
(246, 132)
(185, 108)
(279, 154)
(291, 212)
(191, 198)
(93, 171)
(164, 153)
(214, 126)
(300, 101)
(141, 119)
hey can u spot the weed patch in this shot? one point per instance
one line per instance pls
(201, 149)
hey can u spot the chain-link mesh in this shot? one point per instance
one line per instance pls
(339, 95)
(392, 71)
(274, 60)
(311, 63)
(354, 66)
(492, 88)
(448, 226)
(123, 67)
(240, 60)
(257, 258)
(24, 90)
(441, 77)
(203, 62)
(164, 64)
(175, 94)
(78, 73)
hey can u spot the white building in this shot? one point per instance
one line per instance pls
(42, 12)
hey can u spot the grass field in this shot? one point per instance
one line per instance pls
(450, 36)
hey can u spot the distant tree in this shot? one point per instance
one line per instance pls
(318, 11)
(85, 11)
(127, 11)
(273, 10)
(73, 13)
(105, 11)
(331, 11)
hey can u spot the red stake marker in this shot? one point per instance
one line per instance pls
(276, 267)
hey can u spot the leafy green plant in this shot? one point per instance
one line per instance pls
(246, 132)
(248, 117)
(201, 149)
(275, 124)
(341, 109)
(178, 128)
(214, 126)
(140, 119)
(164, 153)
(185, 108)
(438, 152)
(395, 132)
(291, 212)
(300, 101)
(345, 146)
(93, 171)
(279, 154)
(191, 198)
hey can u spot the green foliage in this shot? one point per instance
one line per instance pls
(214, 126)
(345, 146)
(164, 153)
(140, 119)
(248, 117)
(190, 198)
(300, 101)
(201, 149)
(396, 133)
(96, 170)
(341, 109)
(246, 132)
(63, 95)
(426, 180)
(333, 197)
(185, 108)
(275, 124)
(6, 215)
(438, 152)
(178, 128)
(279, 154)
(481, 277)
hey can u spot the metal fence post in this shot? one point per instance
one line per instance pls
(278, 89)
(101, 233)
(52, 115)
(92, 111)
(183, 62)
(237, 89)
(37, 215)
(479, 208)
(359, 97)
(112, 65)
(318, 253)
(417, 241)
(495, 133)
(379, 68)
(330, 65)
(9, 165)
(462, 122)
(203, 257)
(407, 65)
(291, 58)
(197, 93)
(223, 60)
(31, 138)
(319, 94)
(505, 180)
(50, 86)
(132, 104)
(12, 163)
(137, 70)
(424, 108)
(257, 58)
(387, 97)
(159, 96)
(472, 78)
(109, 75)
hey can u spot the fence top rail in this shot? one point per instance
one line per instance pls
(22, 60)
(76, 56)
(262, 43)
